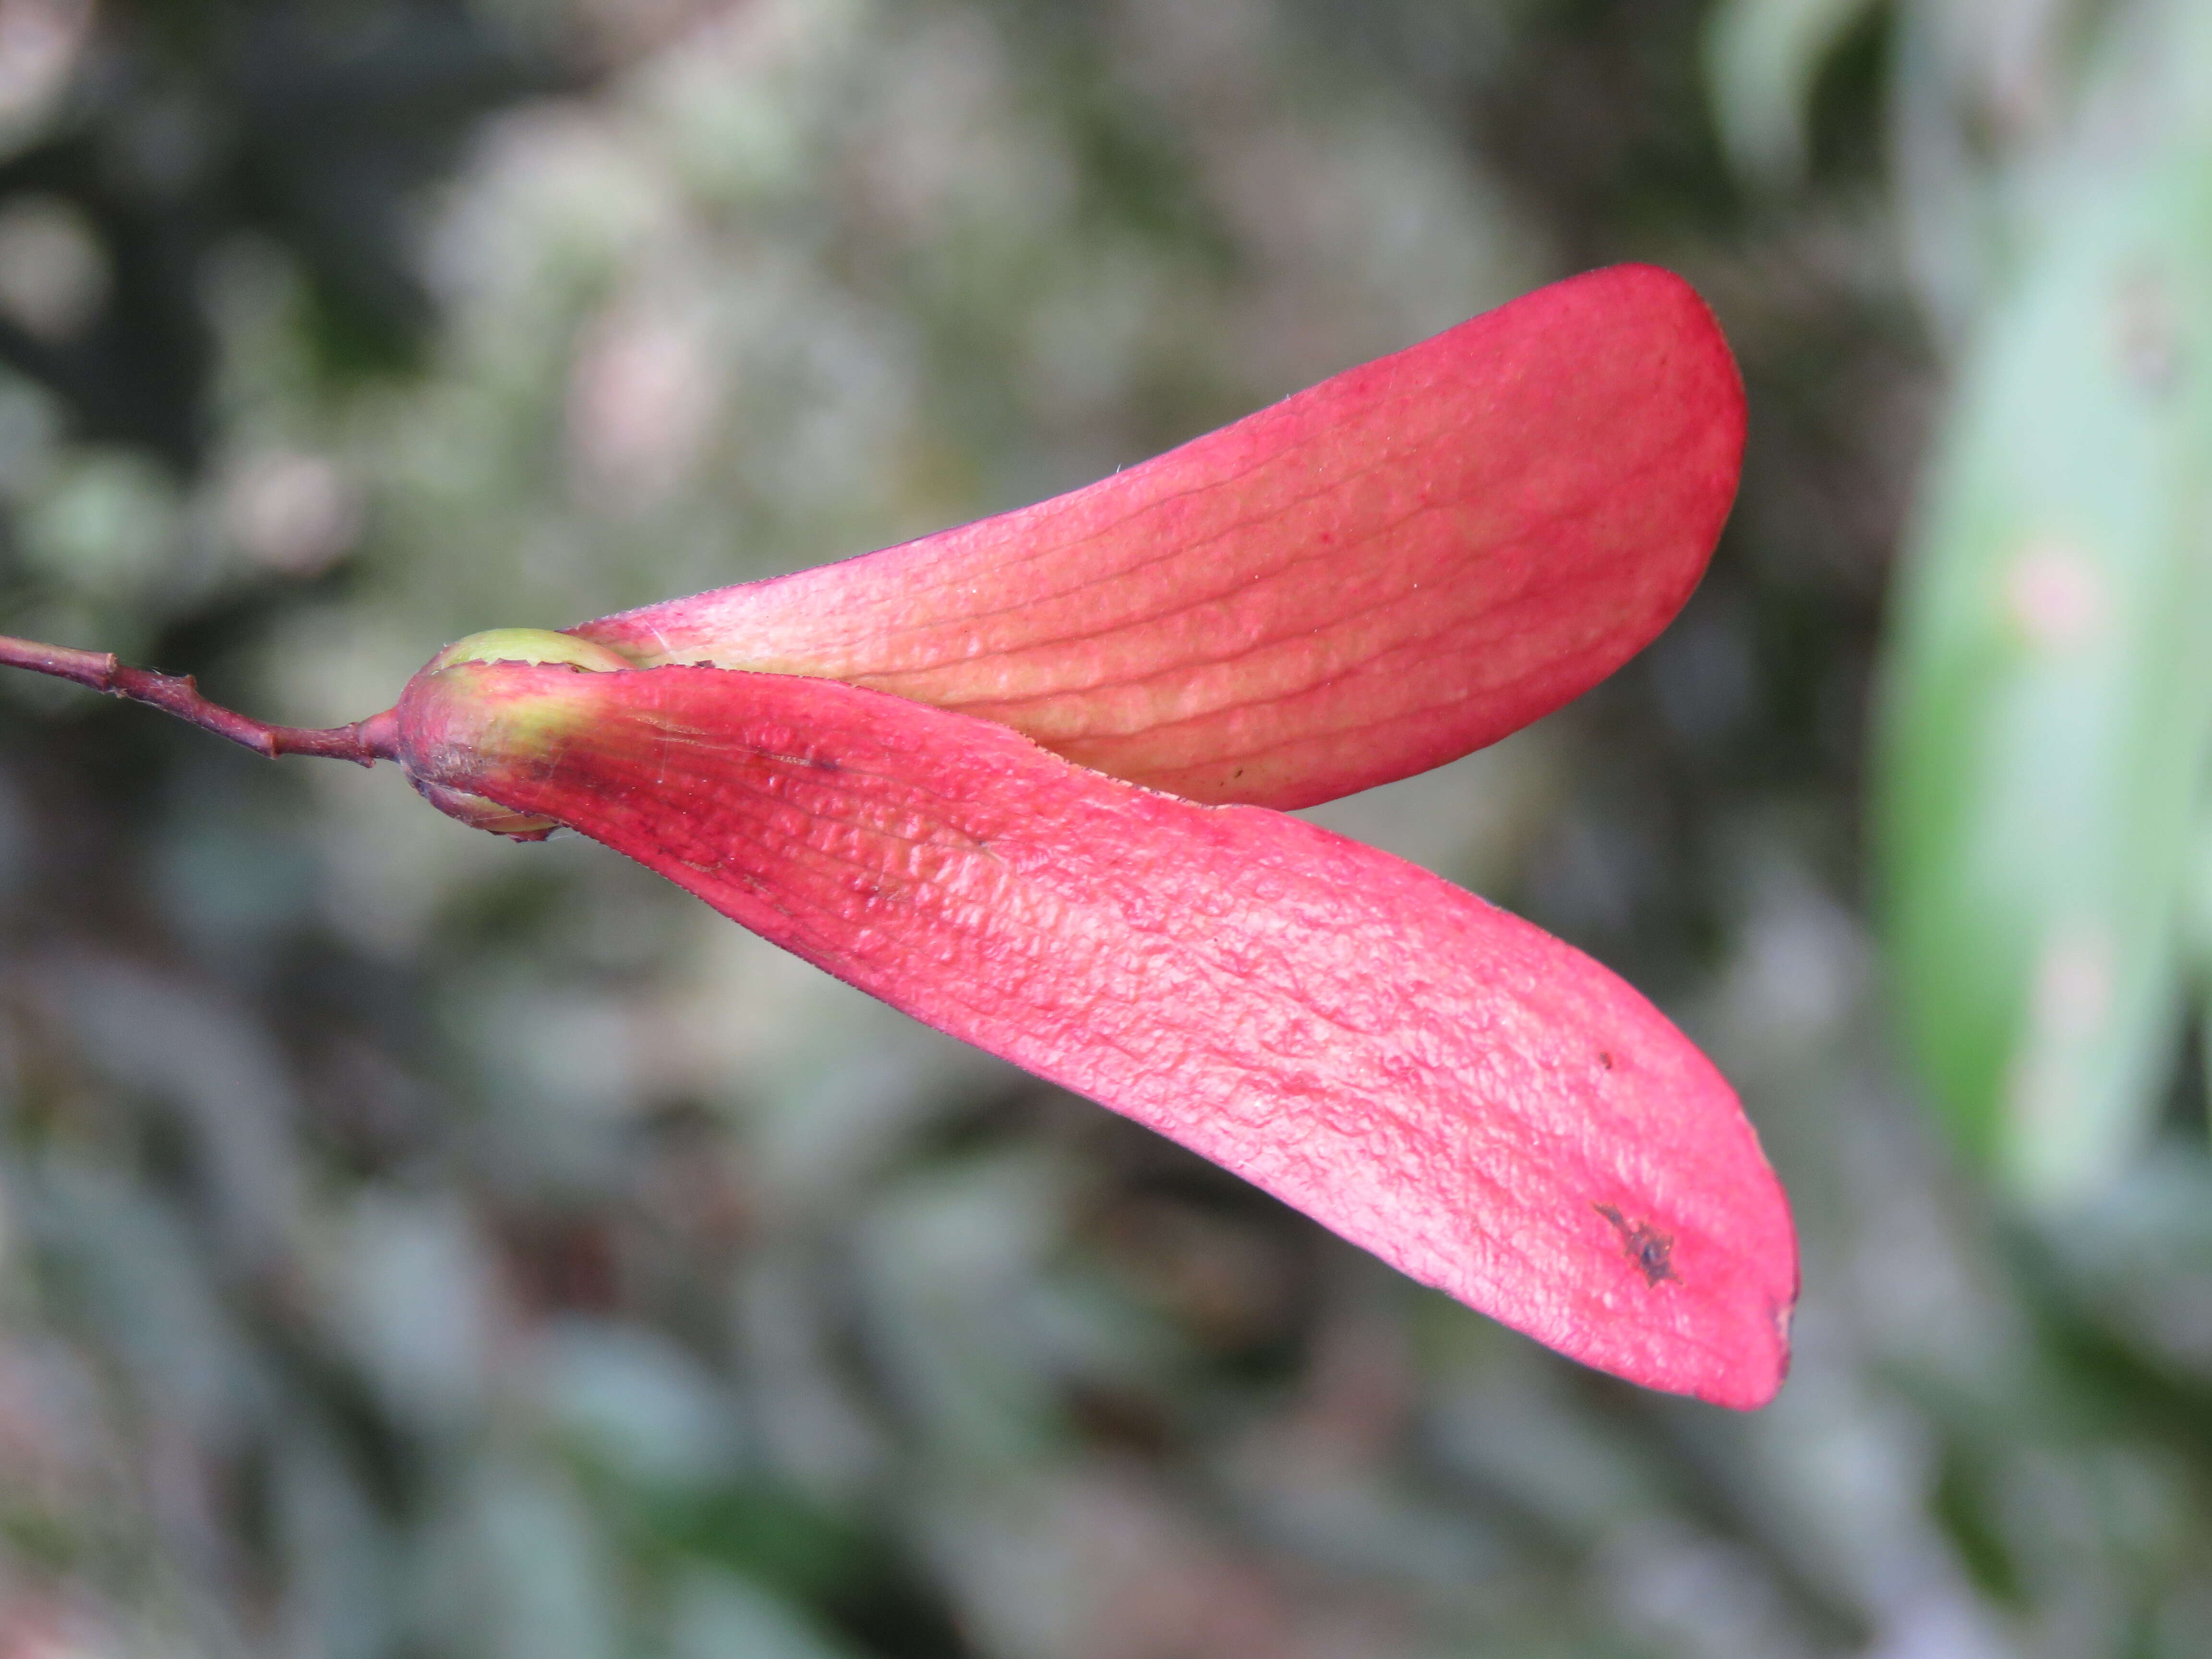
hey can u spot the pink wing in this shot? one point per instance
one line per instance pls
(1435, 1080)
(1377, 576)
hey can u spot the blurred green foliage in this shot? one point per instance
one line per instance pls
(2050, 699)
(413, 1244)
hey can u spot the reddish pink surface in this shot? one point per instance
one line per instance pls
(1433, 1079)
(1399, 565)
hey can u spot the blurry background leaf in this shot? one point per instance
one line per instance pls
(1765, 57)
(2050, 698)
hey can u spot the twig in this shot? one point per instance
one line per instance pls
(364, 742)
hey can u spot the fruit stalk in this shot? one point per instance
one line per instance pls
(363, 742)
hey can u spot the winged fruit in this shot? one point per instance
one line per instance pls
(1019, 779)
(875, 764)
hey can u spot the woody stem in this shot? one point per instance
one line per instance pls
(364, 742)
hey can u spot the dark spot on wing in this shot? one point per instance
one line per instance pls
(1651, 1250)
(1605, 1058)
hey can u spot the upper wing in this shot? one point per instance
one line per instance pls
(1374, 576)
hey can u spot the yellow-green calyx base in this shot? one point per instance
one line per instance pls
(536, 646)
(532, 645)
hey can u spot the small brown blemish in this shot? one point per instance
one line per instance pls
(1605, 1058)
(1650, 1249)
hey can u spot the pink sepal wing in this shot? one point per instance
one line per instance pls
(1377, 575)
(1435, 1080)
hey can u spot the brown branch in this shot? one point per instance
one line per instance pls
(365, 742)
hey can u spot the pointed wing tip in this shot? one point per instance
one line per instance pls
(1721, 1335)
(1757, 1376)
(1749, 1359)
(1738, 1361)
(1660, 305)
(1666, 294)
